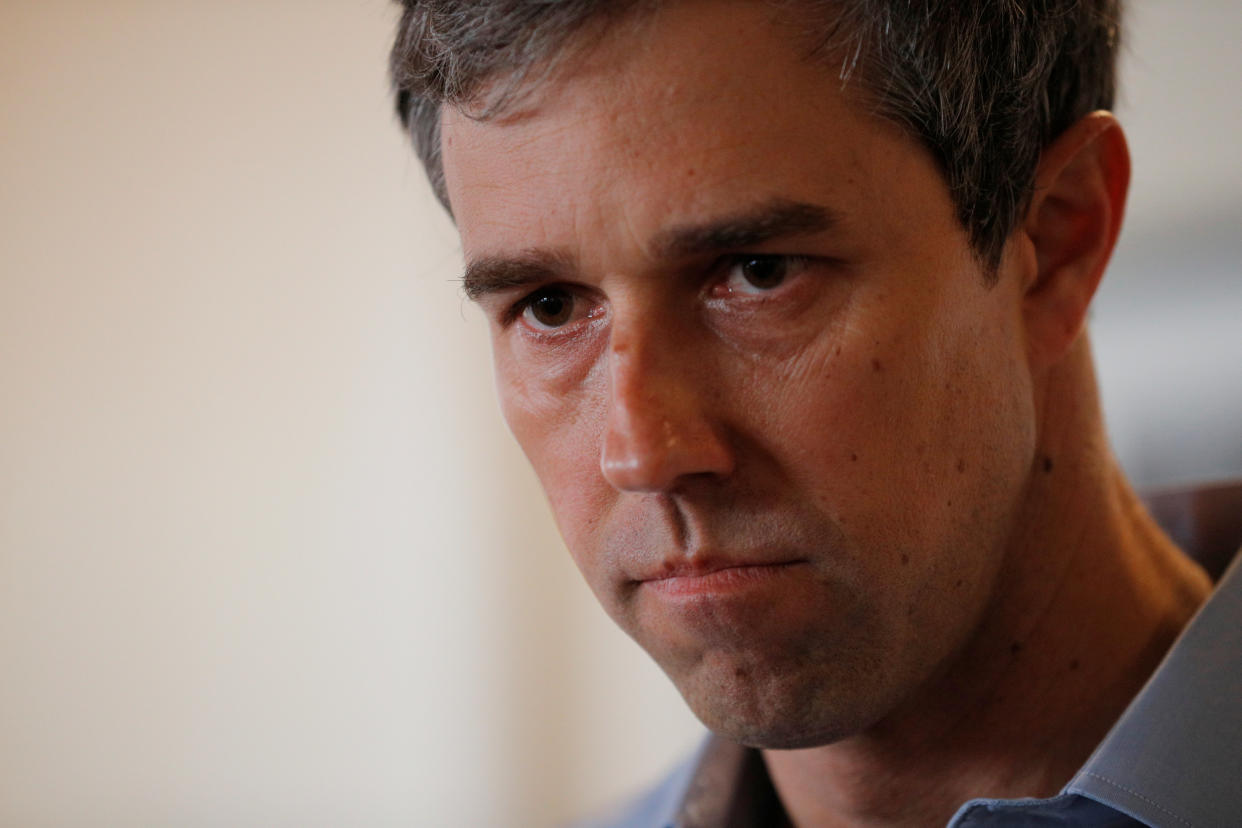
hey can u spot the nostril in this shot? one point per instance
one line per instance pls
(636, 457)
(655, 454)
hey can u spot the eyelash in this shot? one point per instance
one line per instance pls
(514, 311)
(793, 264)
(720, 270)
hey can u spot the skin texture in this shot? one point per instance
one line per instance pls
(848, 417)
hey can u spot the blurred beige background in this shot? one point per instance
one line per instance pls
(267, 555)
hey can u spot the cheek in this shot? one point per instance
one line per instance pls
(558, 426)
(550, 404)
(901, 426)
(915, 442)
(957, 446)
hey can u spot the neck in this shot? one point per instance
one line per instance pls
(1090, 596)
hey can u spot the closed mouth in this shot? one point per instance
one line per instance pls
(720, 578)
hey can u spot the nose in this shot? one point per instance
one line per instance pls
(660, 428)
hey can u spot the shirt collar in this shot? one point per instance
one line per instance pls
(1172, 758)
(730, 788)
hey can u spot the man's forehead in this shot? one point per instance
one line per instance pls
(692, 136)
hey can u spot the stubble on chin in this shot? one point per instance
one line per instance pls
(791, 700)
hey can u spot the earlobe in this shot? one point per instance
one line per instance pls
(1072, 225)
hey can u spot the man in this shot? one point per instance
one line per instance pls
(787, 303)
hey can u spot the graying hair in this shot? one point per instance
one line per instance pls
(984, 85)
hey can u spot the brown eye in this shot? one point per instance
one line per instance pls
(761, 275)
(550, 308)
(764, 272)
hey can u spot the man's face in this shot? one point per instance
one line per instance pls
(781, 417)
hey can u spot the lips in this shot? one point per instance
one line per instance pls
(687, 569)
(714, 577)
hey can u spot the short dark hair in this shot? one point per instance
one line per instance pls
(984, 85)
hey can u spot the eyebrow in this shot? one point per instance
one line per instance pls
(774, 219)
(494, 274)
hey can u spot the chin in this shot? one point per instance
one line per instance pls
(784, 710)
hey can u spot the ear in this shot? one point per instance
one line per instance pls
(1071, 227)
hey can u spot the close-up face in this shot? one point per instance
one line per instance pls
(780, 412)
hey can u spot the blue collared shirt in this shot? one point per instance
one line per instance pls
(1173, 760)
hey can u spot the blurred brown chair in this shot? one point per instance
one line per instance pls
(1205, 521)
